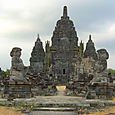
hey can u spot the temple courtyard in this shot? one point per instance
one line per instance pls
(58, 105)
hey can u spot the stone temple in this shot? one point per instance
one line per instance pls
(56, 61)
(65, 63)
(58, 56)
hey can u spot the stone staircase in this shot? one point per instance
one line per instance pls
(62, 105)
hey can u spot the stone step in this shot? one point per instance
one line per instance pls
(53, 109)
(52, 113)
(62, 105)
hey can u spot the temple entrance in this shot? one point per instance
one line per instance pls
(61, 90)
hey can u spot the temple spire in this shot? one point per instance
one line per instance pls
(90, 37)
(38, 38)
(90, 50)
(90, 40)
(65, 11)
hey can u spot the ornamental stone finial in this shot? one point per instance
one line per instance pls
(38, 38)
(65, 11)
(90, 37)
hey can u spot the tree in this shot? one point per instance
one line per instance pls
(112, 71)
(6, 73)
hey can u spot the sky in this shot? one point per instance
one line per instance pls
(22, 20)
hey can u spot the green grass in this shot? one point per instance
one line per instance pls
(112, 71)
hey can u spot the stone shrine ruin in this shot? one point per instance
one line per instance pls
(64, 63)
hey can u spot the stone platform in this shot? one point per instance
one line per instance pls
(64, 101)
(17, 90)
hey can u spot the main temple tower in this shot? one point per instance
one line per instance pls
(64, 46)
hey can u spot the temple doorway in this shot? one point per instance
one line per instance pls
(61, 90)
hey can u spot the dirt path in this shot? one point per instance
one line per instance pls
(8, 111)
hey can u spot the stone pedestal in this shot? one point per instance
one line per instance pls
(17, 90)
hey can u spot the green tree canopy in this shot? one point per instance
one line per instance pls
(5, 73)
(112, 71)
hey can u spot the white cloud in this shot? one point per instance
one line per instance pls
(108, 34)
(111, 62)
(21, 20)
(105, 33)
